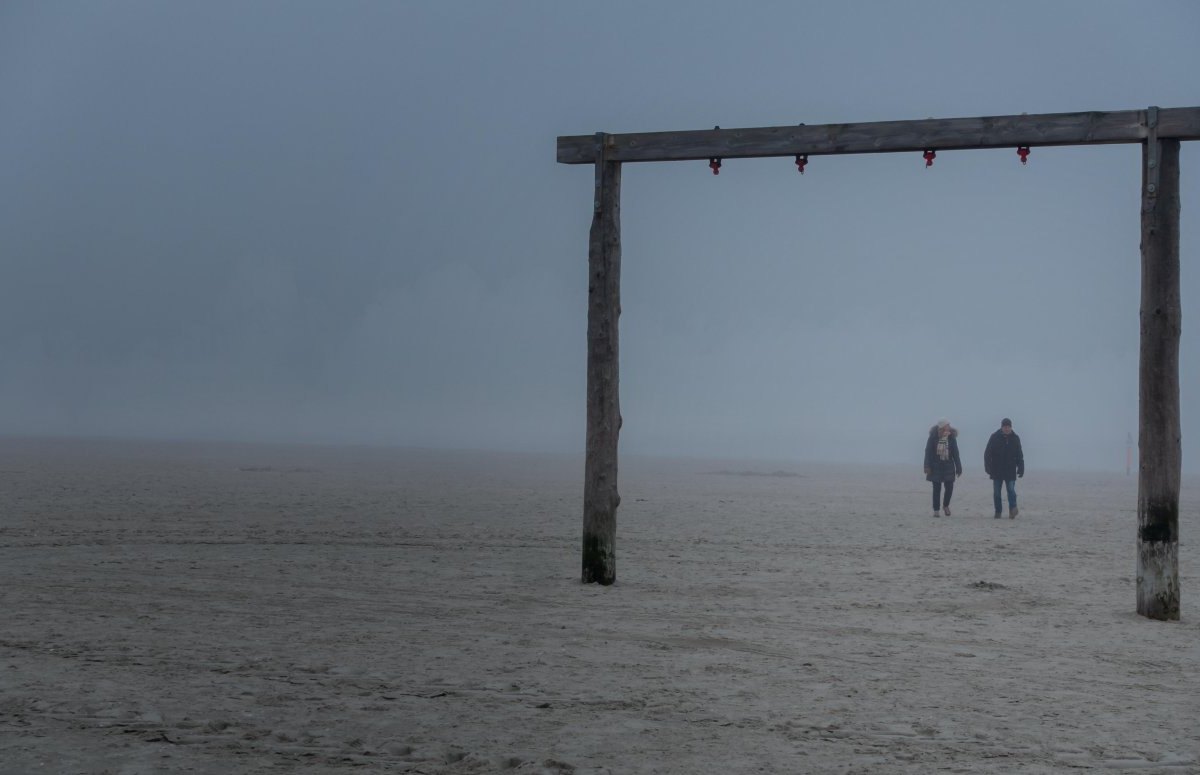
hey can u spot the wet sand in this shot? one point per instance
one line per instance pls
(213, 608)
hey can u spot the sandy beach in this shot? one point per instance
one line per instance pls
(217, 608)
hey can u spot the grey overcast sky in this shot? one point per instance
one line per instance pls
(343, 222)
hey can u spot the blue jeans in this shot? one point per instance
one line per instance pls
(1011, 485)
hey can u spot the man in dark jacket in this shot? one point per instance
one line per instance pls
(1005, 463)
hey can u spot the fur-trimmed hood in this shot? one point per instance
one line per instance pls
(933, 431)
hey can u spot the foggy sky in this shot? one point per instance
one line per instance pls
(343, 222)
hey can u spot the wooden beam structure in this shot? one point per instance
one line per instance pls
(1159, 447)
(600, 498)
(1160, 132)
(939, 134)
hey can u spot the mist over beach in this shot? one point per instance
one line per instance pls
(301, 223)
(294, 387)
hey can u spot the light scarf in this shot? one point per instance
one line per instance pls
(943, 447)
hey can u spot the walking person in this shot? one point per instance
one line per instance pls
(942, 464)
(1005, 463)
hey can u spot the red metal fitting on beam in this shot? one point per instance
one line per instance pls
(929, 156)
(801, 160)
(1023, 152)
(715, 163)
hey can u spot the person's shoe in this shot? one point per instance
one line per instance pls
(1013, 512)
(947, 510)
(997, 515)
(937, 513)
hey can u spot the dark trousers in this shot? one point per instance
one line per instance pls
(937, 494)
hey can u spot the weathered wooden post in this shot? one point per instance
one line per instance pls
(600, 498)
(1159, 452)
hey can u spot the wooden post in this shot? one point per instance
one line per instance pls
(1159, 453)
(600, 498)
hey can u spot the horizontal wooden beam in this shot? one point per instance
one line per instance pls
(942, 134)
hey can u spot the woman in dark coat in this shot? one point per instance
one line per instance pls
(942, 464)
